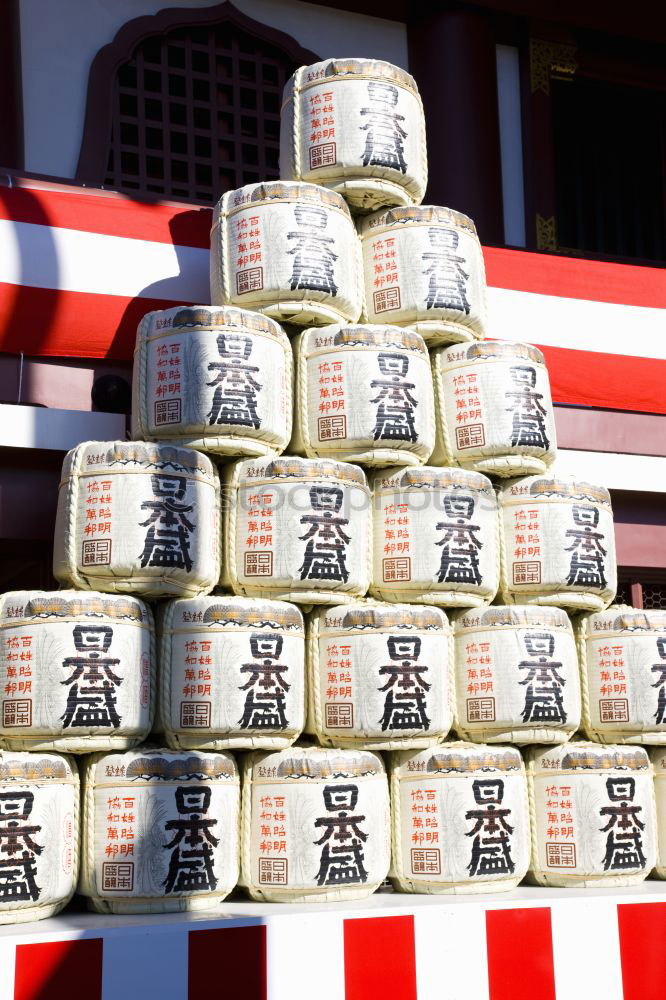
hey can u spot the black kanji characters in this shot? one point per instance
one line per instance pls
(18, 849)
(460, 544)
(385, 134)
(342, 857)
(325, 553)
(168, 536)
(543, 681)
(491, 847)
(235, 383)
(314, 259)
(93, 683)
(529, 425)
(406, 688)
(588, 567)
(447, 279)
(191, 866)
(265, 706)
(660, 670)
(624, 843)
(395, 412)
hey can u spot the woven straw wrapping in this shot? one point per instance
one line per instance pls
(593, 815)
(363, 394)
(233, 673)
(516, 675)
(493, 409)
(78, 671)
(623, 674)
(215, 379)
(323, 801)
(175, 817)
(138, 518)
(423, 268)
(435, 537)
(356, 126)
(658, 758)
(289, 251)
(39, 835)
(460, 820)
(558, 544)
(379, 676)
(297, 529)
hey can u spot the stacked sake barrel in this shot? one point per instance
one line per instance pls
(333, 478)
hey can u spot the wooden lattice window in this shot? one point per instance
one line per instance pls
(194, 107)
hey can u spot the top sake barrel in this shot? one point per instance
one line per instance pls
(493, 408)
(217, 379)
(355, 126)
(423, 268)
(136, 518)
(289, 251)
(558, 543)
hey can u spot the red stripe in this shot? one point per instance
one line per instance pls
(642, 929)
(601, 281)
(520, 954)
(59, 970)
(229, 962)
(49, 323)
(380, 961)
(613, 381)
(522, 270)
(113, 215)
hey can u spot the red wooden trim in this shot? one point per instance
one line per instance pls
(11, 133)
(640, 545)
(576, 278)
(239, 955)
(520, 954)
(636, 595)
(642, 927)
(587, 429)
(380, 959)
(51, 970)
(91, 167)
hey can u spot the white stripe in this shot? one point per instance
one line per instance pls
(451, 955)
(49, 257)
(586, 949)
(646, 473)
(7, 968)
(152, 958)
(578, 324)
(305, 957)
(56, 430)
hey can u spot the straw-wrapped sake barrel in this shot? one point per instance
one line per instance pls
(380, 676)
(39, 835)
(78, 671)
(232, 673)
(363, 394)
(516, 675)
(435, 537)
(214, 378)
(658, 758)
(136, 518)
(356, 126)
(315, 825)
(493, 409)
(289, 251)
(623, 675)
(593, 815)
(558, 544)
(423, 268)
(160, 831)
(297, 529)
(460, 821)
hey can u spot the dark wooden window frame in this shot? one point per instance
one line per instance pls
(546, 54)
(92, 165)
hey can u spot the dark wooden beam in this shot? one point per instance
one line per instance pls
(11, 104)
